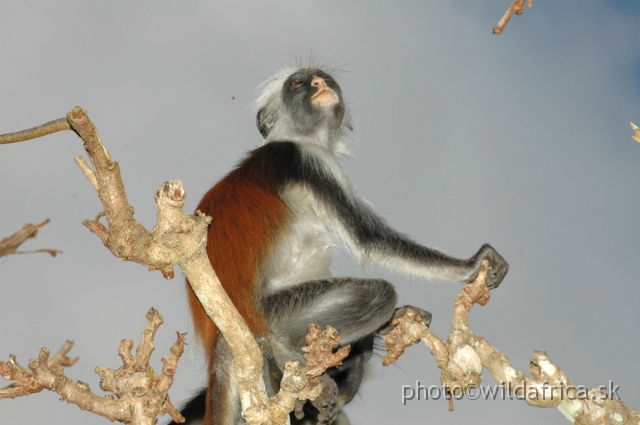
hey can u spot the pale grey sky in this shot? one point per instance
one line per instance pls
(461, 137)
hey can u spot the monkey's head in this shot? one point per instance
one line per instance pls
(303, 105)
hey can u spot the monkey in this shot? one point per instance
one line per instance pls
(276, 220)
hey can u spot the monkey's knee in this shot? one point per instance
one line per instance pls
(383, 290)
(373, 303)
(370, 305)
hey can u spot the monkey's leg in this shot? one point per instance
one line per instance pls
(357, 308)
(224, 398)
(354, 307)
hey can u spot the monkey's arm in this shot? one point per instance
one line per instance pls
(374, 241)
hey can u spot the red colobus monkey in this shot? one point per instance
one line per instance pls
(276, 219)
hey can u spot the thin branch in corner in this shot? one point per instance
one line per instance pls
(10, 244)
(51, 127)
(635, 128)
(516, 7)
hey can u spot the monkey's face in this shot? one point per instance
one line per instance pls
(324, 96)
(313, 98)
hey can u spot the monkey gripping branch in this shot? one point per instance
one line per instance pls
(464, 354)
(178, 239)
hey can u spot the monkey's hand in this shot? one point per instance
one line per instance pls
(498, 267)
(327, 404)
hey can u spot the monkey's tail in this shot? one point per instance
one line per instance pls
(194, 410)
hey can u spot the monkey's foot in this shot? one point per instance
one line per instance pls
(401, 311)
(327, 403)
(408, 326)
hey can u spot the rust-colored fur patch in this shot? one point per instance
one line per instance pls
(247, 217)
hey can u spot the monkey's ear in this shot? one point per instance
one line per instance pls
(262, 122)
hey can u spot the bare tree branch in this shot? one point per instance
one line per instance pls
(39, 131)
(9, 245)
(306, 383)
(635, 128)
(463, 355)
(516, 7)
(141, 395)
(60, 358)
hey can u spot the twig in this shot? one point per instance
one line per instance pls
(10, 244)
(516, 7)
(635, 128)
(407, 330)
(39, 131)
(60, 358)
(307, 383)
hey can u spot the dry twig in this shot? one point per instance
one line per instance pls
(140, 395)
(42, 130)
(60, 358)
(516, 7)
(635, 128)
(407, 330)
(10, 244)
(307, 383)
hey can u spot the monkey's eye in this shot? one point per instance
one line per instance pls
(296, 83)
